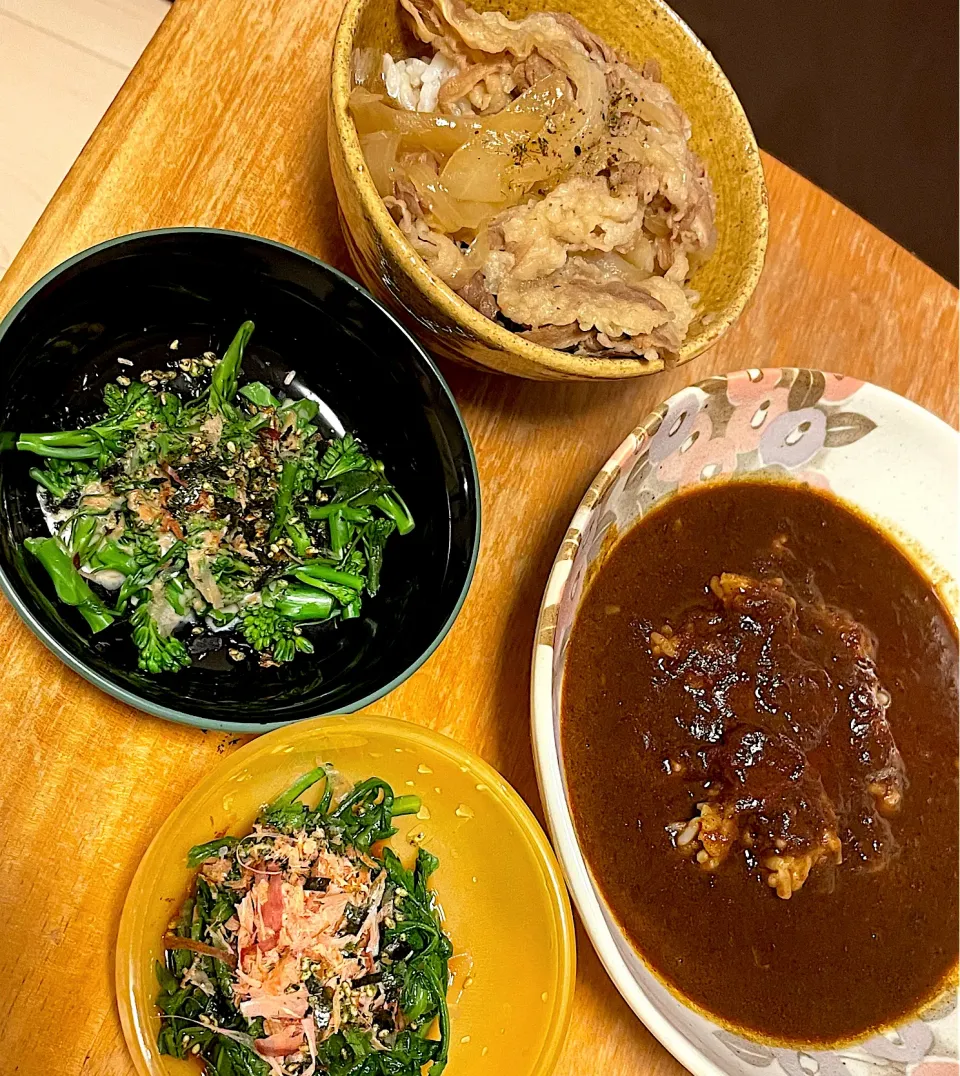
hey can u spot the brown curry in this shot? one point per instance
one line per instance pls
(759, 732)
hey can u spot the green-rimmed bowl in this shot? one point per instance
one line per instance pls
(133, 296)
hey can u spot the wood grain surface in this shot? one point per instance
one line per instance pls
(61, 64)
(223, 123)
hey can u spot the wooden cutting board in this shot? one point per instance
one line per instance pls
(223, 123)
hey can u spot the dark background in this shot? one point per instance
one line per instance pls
(858, 95)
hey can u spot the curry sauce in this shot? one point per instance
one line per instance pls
(759, 731)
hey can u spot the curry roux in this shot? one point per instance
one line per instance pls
(871, 934)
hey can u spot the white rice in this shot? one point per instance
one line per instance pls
(414, 84)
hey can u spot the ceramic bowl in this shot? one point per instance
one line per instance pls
(504, 903)
(888, 457)
(131, 297)
(451, 327)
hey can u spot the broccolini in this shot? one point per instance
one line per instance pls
(195, 505)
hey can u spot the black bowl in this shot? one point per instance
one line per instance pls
(131, 297)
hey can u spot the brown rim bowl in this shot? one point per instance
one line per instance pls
(447, 324)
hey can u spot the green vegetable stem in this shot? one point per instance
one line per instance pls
(71, 587)
(226, 374)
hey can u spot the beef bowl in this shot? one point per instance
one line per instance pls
(554, 191)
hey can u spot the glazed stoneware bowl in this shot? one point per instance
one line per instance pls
(448, 325)
(886, 456)
(503, 899)
(318, 335)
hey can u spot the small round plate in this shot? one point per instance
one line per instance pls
(886, 456)
(504, 902)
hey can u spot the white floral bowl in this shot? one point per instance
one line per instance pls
(888, 457)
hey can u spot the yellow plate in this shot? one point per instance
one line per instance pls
(499, 886)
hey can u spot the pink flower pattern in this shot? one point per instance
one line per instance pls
(936, 1068)
(754, 413)
(839, 388)
(756, 404)
(700, 456)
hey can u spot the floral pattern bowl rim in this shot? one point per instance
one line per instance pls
(825, 429)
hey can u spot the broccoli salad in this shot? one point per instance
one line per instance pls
(306, 948)
(212, 509)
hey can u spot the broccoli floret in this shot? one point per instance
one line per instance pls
(60, 477)
(104, 441)
(157, 653)
(270, 632)
(272, 625)
(144, 546)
